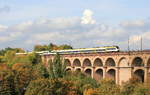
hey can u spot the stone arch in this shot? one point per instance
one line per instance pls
(139, 74)
(97, 62)
(123, 71)
(123, 62)
(78, 69)
(88, 72)
(68, 69)
(110, 62)
(76, 63)
(99, 74)
(87, 62)
(137, 61)
(68, 63)
(148, 62)
(111, 74)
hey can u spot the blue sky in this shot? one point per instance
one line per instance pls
(106, 11)
(19, 16)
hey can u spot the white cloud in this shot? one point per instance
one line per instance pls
(4, 39)
(23, 26)
(3, 28)
(87, 17)
(135, 23)
(72, 31)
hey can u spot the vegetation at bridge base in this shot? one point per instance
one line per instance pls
(51, 87)
(27, 75)
(81, 81)
(56, 68)
(135, 87)
(6, 80)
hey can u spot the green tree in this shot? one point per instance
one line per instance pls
(2, 59)
(3, 51)
(41, 69)
(51, 87)
(40, 47)
(6, 81)
(141, 89)
(135, 87)
(39, 87)
(34, 58)
(56, 68)
(22, 59)
(52, 46)
(65, 46)
(81, 81)
(129, 86)
(24, 73)
(108, 87)
(10, 57)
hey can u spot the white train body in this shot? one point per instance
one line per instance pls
(88, 50)
(77, 51)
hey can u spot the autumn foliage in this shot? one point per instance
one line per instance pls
(26, 75)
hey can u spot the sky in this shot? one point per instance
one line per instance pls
(79, 23)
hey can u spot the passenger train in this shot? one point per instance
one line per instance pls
(77, 51)
(87, 50)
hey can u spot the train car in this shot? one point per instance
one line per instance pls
(112, 49)
(88, 50)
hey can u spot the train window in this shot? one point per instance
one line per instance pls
(101, 50)
(111, 48)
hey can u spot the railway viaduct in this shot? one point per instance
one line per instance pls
(119, 66)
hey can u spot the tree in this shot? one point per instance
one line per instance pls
(81, 81)
(7, 86)
(3, 51)
(52, 46)
(39, 87)
(24, 73)
(34, 58)
(65, 46)
(22, 59)
(141, 89)
(90, 91)
(108, 87)
(18, 50)
(10, 57)
(56, 68)
(2, 59)
(51, 87)
(41, 69)
(135, 87)
(40, 47)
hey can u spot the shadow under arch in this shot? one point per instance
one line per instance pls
(87, 62)
(110, 62)
(99, 74)
(78, 70)
(111, 74)
(68, 70)
(76, 63)
(88, 72)
(68, 63)
(97, 62)
(137, 62)
(148, 62)
(139, 74)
